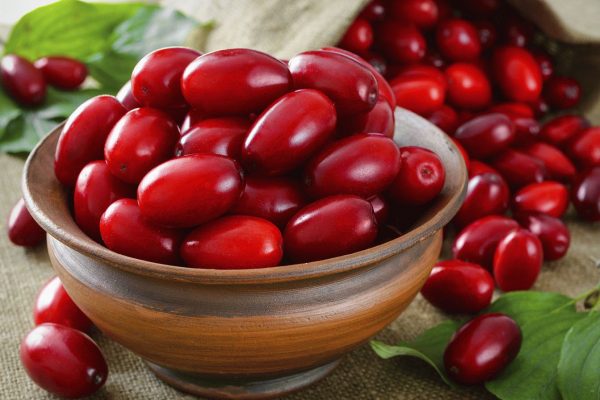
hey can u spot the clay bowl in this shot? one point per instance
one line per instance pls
(244, 334)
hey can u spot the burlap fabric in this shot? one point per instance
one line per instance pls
(283, 31)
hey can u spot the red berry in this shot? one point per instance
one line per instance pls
(477, 242)
(421, 93)
(258, 244)
(63, 361)
(330, 227)
(517, 74)
(223, 136)
(290, 131)
(551, 231)
(234, 82)
(584, 147)
(62, 72)
(125, 96)
(463, 153)
(401, 42)
(548, 197)
(486, 135)
(24, 82)
(83, 136)
(421, 177)
(557, 165)
(358, 37)
(527, 131)
(95, 190)
(518, 168)
(516, 31)
(350, 84)
(562, 92)
(479, 168)
(125, 231)
(155, 80)
(362, 164)
(458, 40)
(545, 63)
(482, 348)
(423, 13)
(381, 209)
(142, 139)
(22, 228)
(457, 286)
(192, 117)
(513, 110)
(170, 194)
(445, 118)
(380, 120)
(585, 194)
(468, 87)
(374, 11)
(518, 261)
(540, 107)
(53, 304)
(487, 33)
(274, 199)
(487, 194)
(560, 129)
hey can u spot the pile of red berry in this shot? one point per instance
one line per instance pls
(473, 69)
(235, 159)
(26, 82)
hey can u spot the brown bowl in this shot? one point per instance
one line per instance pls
(244, 334)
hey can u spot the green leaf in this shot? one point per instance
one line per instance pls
(149, 29)
(22, 134)
(429, 347)
(9, 111)
(68, 27)
(60, 104)
(533, 373)
(527, 305)
(580, 360)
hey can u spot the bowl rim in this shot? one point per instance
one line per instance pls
(291, 272)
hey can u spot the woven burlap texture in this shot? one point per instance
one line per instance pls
(281, 27)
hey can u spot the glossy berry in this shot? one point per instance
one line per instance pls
(545, 63)
(125, 231)
(468, 87)
(358, 37)
(363, 165)
(562, 93)
(83, 136)
(258, 244)
(458, 40)
(63, 361)
(274, 199)
(62, 72)
(24, 82)
(223, 136)
(125, 96)
(463, 153)
(381, 209)
(516, 31)
(421, 94)
(487, 194)
(477, 242)
(517, 74)
(486, 135)
(518, 261)
(551, 231)
(53, 304)
(374, 11)
(351, 85)
(456, 286)
(561, 129)
(548, 197)
(513, 110)
(380, 120)
(422, 13)
(518, 168)
(22, 228)
(192, 117)
(479, 168)
(585, 194)
(234, 82)
(527, 131)
(444, 118)
(142, 139)
(169, 194)
(289, 132)
(557, 164)
(155, 80)
(330, 227)
(482, 348)
(95, 190)
(584, 148)
(401, 42)
(421, 177)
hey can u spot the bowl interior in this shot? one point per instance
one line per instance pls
(49, 202)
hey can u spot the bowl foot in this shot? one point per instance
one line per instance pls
(240, 389)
